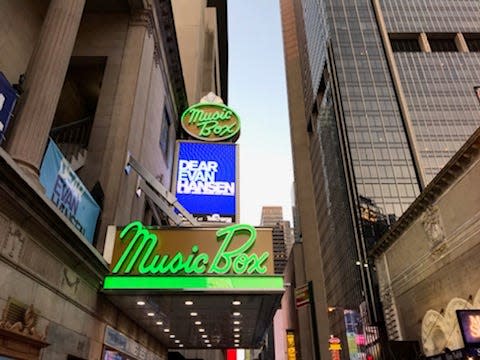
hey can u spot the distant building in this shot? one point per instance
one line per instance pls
(379, 98)
(272, 216)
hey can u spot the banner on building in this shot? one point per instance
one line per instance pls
(8, 98)
(67, 192)
(207, 180)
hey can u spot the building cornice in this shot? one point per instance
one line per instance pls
(453, 170)
(158, 20)
(168, 35)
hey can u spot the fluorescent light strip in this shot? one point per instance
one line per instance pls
(127, 282)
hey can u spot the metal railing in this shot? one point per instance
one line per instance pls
(72, 137)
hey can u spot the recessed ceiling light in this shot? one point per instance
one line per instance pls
(206, 341)
(172, 336)
(236, 313)
(236, 322)
(141, 303)
(151, 314)
(193, 314)
(188, 302)
(236, 335)
(166, 330)
(236, 329)
(177, 341)
(236, 345)
(204, 336)
(159, 322)
(198, 323)
(236, 340)
(209, 345)
(181, 345)
(236, 302)
(201, 330)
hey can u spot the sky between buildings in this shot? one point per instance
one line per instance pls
(257, 92)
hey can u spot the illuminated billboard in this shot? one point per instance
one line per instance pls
(207, 180)
(235, 257)
(469, 321)
(211, 122)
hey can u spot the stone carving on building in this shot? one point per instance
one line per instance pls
(70, 281)
(14, 243)
(440, 329)
(143, 17)
(432, 224)
(17, 319)
(434, 332)
(211, 97)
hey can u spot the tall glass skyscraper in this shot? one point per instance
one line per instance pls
(387, 98)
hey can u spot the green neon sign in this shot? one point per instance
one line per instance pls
(269, 283)
(141, 256)
(210, 122)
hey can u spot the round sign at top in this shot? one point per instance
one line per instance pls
(210, 122)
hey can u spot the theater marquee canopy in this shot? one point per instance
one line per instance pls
(208, 287)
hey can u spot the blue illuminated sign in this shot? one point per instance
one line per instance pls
(8, 98)
(206, 179)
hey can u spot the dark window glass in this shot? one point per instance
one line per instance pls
(405, 45)
(164, 132)
(473, 42)
(442, 44)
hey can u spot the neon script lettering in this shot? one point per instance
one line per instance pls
(139, 256)
(201, 122)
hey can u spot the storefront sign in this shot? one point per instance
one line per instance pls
(233, 257)
(206, 180)
(8, 98)
(118, 341)
(291, 350)
(144, 255)
(334, 347)
(67, 192)
(210, 122)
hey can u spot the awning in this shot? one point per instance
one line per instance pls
(195, 287)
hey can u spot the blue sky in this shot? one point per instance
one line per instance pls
(257, 92)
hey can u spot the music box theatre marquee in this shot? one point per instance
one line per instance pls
(236, 257)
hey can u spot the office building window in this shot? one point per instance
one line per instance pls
(442, 42)
(405, 42)
(165, 131)
(473, 42)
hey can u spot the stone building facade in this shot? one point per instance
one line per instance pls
(104, 80)
(427, 263)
